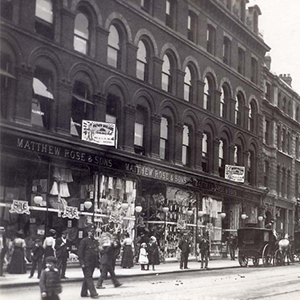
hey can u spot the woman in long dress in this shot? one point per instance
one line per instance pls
(127, 257)
(17, 263)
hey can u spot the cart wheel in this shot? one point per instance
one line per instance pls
(255, 261)
(266, 256)
(277, 258)
(243, 261)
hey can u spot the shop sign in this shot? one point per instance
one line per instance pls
(71, 212)
(235, 173)
(100, 133)
(157, 173)
(19, 207)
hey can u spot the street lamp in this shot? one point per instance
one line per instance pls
(88, 204)
(243, 216)
(260, 218)
(222, 215)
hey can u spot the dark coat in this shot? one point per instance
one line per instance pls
(204, 245)
(184, 246)
(50, 281)
(153, 254)
(61, 248)
(108, 255)
(88, 252)
(37, 252)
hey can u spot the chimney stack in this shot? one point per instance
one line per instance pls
(286, 78)
(267, 61)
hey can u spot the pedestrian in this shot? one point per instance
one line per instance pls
(3, 249)
(62, 254)
(17, 264)
(37, 253)
(127, 257)
(231, 246)
(49, 245)
(185, 249)
(153, 252)
(107, 264)
(88, 255)
(50, 284)
(143, 257)
(117, 249)
(204, 251)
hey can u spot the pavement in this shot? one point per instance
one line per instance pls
(74, 272)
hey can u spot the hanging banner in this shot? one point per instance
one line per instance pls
(235, 173)
(100, 133)
(71, 212)
(19, 207)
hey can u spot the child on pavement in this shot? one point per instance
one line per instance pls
(37, 254)
(50, 284)
(143, 257)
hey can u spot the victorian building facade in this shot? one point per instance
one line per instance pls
(183, 82)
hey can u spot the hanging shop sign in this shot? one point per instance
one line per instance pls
(19, 207)
(235, 173)
(100, 133)
(71, 212)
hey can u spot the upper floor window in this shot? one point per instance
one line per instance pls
(283, 141)
(208, 94)
(113, 113)
(254, 70)
(81, 33)
(289, 108)
(82, 107)
(164, 140)
(186, 145)
(288, 143)
(6, 10)
(141, 64)
(224, 102)
(188, 87)
(266, 173)
(166, 83)
(278, 172)
(222, 147)
(145, 5)
(297, 114)
(205, 156)
(44, 18)
(278, 137)
(283, 182)
(7, 82)
(241, 61)
(250, 169)
(252, 116)
(113, 50)
(42, 98)
(170, 13)
(288, 184)
(284, 104)
(267, 132)
(210, 39)
(268, 91)
(238, 112)
(226, 51)
(297, 147)
(297, 186)
(192, 26)
(139, 131)
(237, 155)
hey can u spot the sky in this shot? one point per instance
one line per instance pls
(280, 26)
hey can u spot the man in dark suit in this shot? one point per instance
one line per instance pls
(108, 258)
(185, 248)
(88, 255)
(62, 254)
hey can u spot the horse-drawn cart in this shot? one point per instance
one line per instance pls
(256, 244)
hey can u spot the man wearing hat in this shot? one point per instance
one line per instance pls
(62, 254)
(89, 260)
(50, 284)
(37, 253)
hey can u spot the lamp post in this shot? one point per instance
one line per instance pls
(165, 209)
(138, 209)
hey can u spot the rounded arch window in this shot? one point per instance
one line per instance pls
(114, 49)
(142, 62)
(81, 33)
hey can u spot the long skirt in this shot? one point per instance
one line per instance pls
(127, 258)
(17, 263)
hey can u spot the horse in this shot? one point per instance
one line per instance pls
(284, 248)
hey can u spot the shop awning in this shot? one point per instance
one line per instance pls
(6, 74)
(80, 98)
(40, 89)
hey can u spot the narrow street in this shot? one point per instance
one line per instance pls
(278, 283)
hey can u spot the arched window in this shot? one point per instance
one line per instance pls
(113, 113)
(251, 167)
(114, 50)
(141, 64)
(44, 18)
(164, 139)
(205, 156)
(222, 157)
(224, 102)
(166, 81)
(140, 129)
(82, 107)
(186, 146)
(238, 112)
(81, 33)
(42, 98)
(266, 173)
(208, 98)
(252, 115)
(188, 85)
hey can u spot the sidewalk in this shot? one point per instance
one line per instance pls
(75, 273)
